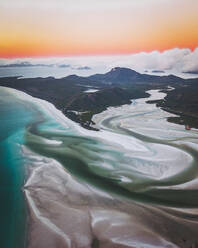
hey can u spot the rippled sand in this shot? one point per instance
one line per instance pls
(133, 184)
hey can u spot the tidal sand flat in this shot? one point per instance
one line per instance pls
(132, 184)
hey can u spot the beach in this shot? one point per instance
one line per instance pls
(132, 184)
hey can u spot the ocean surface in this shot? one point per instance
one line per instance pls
(60, 72)
(132, 184)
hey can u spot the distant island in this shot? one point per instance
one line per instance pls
(158, 71)
(25, 64)
(79, 100)
(191, 72)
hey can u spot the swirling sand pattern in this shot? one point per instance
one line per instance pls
(132, 184)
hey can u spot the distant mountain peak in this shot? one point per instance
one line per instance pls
(122, 69)
(114, 69)
(117, 69)
(121, 76)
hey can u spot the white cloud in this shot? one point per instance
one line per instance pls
(190, 62)
(172, 61)
(167, 60)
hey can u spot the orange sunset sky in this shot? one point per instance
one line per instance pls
(31, 28)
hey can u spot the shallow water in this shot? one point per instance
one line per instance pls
(139, 169)
(14, 117)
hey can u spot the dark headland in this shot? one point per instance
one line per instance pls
(116, 87)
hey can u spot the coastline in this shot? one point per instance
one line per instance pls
(80, 106)
(71, 204)
(71, 170)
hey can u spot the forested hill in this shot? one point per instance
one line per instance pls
(116, 87)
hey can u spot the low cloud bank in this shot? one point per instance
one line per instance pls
(179, 60)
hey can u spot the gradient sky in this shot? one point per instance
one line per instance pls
(73, 27)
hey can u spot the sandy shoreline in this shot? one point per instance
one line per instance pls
(67, 212)
(64, 213)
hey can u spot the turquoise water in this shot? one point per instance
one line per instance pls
(138, 158)
(14, 117)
